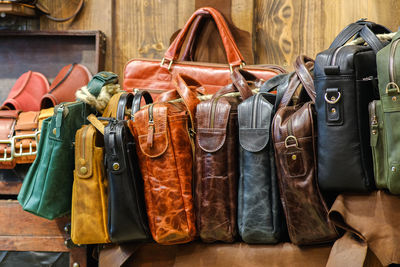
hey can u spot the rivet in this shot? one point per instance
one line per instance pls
(83, 170)
(333, 98)
(333, 110)
(393, 169)
(294, 157)
(394, 98)
(115, 166)
(75, 264)
(373, 131)
(54, 131)
(66, 229)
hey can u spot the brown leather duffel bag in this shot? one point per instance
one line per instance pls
(164, 136)
(156, 77)
(294, 137)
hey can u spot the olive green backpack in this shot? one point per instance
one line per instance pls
(385, 119)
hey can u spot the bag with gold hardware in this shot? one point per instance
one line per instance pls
(164, 144)
(294, 138)
(47, 187)
(26, 137)
(90, 188)
(8, 119)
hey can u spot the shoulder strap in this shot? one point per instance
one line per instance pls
(302, 66)
(111, 109)
(124, 102)
(137, 99)
(239, 84)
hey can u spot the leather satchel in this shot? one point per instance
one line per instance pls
(90, 187)
(217, 165)
(156, 77)
(65, 84)
(127, 218)
(260, 215)
(345, 83)
(8, 119)
(164, 137)
(47, 188)
(27, 92)
(294, 136)
(384, 120)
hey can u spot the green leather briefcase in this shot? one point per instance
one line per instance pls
(47, 187)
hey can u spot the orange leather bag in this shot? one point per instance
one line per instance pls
(156, 76)
(26, 137)
(8, 119)
(164, 137)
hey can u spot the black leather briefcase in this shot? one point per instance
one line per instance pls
(127, 218)
(345, 82)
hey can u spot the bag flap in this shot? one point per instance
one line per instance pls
(152, 136)
(255, 115)
(9, 114)
(212, 123)
(27, 121)
(84, 143)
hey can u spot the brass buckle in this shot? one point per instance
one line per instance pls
(169, 65)
(333, 99)
(5, 158)
(34, 136)
(392, 85)
(241, 65)
(291, 137)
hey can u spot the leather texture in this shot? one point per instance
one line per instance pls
(384, 120)
(127, 218)
(65, 84)
(47, 188)
(217, 163)
(44, 114)
(27, 124)
(347, 77)
(259, 208)
(149, 75)
(163, 134)
(294, 136)
(27, 92)
(8, 120)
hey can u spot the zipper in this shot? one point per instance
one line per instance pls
(254, 112)
(333, 61)
(150, 130)
(213, 107)
(374, 118)
(391, 60)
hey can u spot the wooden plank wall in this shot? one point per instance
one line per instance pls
(279, 29)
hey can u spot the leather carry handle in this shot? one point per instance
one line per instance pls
(188, 54)
(365, 29)
(137, 99)
(124, 102)
(304, 74)
(111, 109)
(188, 95)
(239, 84)
(233, 54)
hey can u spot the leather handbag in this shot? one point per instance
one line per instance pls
(127, 218)
(384, 118)
(164, 136)
(294, 137)
(345, 83)
(156, 77)
(26, 137)
(260, 215)
(65, 84)
(47, 187)
(8, 119)
(217, 164)
(90, 187)
(27, 92)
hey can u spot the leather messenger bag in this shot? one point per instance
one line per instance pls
(156, 76)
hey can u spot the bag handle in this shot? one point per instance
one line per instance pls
(366, 29)
(124, 102)
(188, 54)
(233, 54)
(304, 74)
(111, 109)
(99, 80)
(239, 84)
(137, 99)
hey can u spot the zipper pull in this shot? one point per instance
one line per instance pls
(150, 130)
(59, 118)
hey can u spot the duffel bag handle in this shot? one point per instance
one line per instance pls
(124, 102)
(366, 29)
(233, 54)
(184, 85)
(137, 99)
(302, 66)
(239, 84)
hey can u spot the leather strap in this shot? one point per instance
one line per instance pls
(345, 35)
(111, 109)
(137, 99)
(239, 84)
(188, 54)
(77, 10)
(304, 74)
(99, 80)
(371, 39)
(64, 78)
(276, 83)
(188, 95)
(96, 123)
(233, 54)
(124, 102)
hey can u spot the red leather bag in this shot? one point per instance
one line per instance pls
(67, 82)
(156, 76)
(27, 92)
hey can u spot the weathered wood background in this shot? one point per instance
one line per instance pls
(279, 30)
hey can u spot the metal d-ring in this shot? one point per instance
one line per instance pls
(169, 65)
(333, 99)
(392, 85)
(291, 137)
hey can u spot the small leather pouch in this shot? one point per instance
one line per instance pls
(67, 82)
(26, 137)
(8, 120)
(27, 92)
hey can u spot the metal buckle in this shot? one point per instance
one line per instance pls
(34, 136)
(291, 137)
(5, 158)
(333, 99)
(392, 85)
(169, 65)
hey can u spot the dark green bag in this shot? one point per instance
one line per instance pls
(385, 118)
(47, 187)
